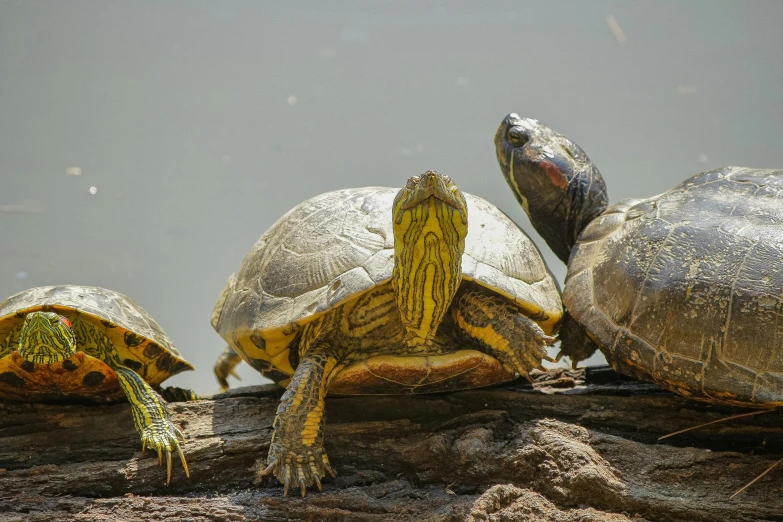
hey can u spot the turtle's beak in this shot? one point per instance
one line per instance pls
(432, 185)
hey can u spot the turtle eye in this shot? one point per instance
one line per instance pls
(446, 180)
(412, 182)
(518, 136)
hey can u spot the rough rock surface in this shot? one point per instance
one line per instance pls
(507, 503)
(563, 449)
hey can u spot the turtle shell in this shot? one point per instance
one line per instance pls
(340, 244)
(686, 288)
(138, 341)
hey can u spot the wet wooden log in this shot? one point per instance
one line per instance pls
(574, 447)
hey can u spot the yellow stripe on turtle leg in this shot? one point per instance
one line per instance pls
(152, 418)
(296, 453)
(506, 334)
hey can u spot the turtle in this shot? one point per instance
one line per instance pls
(378, 290)
(683, 289)
(86, 342)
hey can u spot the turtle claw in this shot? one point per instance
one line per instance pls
(165, 439)
(267, 470)
(328, 467)
(304, 468)
(182, 459)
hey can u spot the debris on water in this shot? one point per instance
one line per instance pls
(615, 27)
(687, 89)
(93, 190)
(27, 206)
(73, 171)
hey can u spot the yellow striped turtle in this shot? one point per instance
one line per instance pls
(82, 341)
(684, 289)
(378, 291)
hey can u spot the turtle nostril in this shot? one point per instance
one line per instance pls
(518, 136)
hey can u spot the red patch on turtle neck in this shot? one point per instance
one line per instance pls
(555, 174)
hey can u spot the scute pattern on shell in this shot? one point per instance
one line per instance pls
(340, 244)
(102, 303)
(687, 287)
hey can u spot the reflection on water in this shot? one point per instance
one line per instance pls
(146, 149)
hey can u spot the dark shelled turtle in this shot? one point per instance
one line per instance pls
(90, 342)
(684, 289)
(376, 290)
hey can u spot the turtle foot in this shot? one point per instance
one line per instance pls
(175, 394)
(529, 353)
(291, 468)
(164, 437)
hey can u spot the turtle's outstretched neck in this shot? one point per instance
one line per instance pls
(553, 179)
(430, 220)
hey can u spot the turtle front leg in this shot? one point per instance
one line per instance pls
(152, 418)
(505, 333)
(296, 454)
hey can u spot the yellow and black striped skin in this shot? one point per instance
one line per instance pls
(426, 329)
(430, 225)
(49, 355)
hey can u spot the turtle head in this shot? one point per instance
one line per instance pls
(46, 338)
(552, 178)
(431, 187)
(430, 221)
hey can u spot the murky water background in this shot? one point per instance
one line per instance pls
(145, 147)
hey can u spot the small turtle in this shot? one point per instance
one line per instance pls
(382, 291)
(684, 289)
(94, 343)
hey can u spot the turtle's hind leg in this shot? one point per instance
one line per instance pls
(504, 332)
(152, 418)
(224, 366)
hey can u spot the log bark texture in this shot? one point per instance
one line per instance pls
(574, 447)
